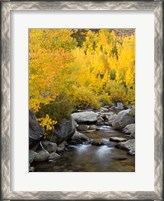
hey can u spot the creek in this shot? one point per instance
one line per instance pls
(89, 158)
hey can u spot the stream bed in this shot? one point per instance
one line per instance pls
(89, 158)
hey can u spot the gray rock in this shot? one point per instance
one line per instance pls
(110, 119)
(82, 127)
(104, 114)
(104, 109)
(119, 106)
(79, 137)
(85, 117)
(93, 127)
(49, 146)
(106, 106)
(31, 169)
(63, 131)
(100, 121)
(35, 147)
(42, 156)
(128, 145)
(32, 155)
(122, 119)
(36, 132)
(54, 156)
(129, 129)
(106, 123)
(128, 107)
(131, 152)
(61, 147)
(117, 139)
(113, 107)
(74, 123)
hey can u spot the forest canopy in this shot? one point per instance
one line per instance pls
(78, 69)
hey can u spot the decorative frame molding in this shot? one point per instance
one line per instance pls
(7, 7)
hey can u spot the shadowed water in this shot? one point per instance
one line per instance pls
(89, 158)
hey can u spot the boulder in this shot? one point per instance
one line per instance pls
(129, 129)
(82, 127)
(104, 109)
(104, 114)
(74, 123)
(131, 152)
(106, 106)
(128, 145)
(110, 119)
(93, 127)
(63, 131)
(100, 121)
(36, 132)
(42, 156)
(122, 119)
(35, 147)
(61, 147)
(79, 137)
(119, 106)
(106, 123)
(128, 107)
(32, 155)
(31, 169)
(117, 139)
(85, 117)
(49, 146)
(113, 107)
(53, 156)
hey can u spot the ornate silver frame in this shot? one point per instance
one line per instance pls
(7, 6)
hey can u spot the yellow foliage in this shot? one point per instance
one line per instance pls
(105, 99)
(47, 59)
(84, 98)
(100, 69)
(46, 122)
(116, 91)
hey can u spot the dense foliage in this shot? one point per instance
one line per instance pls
(77, 69)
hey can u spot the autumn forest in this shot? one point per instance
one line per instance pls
(78, 69)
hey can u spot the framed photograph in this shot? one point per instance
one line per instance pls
(82, 100)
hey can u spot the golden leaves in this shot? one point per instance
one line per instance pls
(100, 69)
(47, 122)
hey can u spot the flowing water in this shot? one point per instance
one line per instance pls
(89, 158)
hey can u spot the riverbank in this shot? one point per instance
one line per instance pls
(90, 141)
